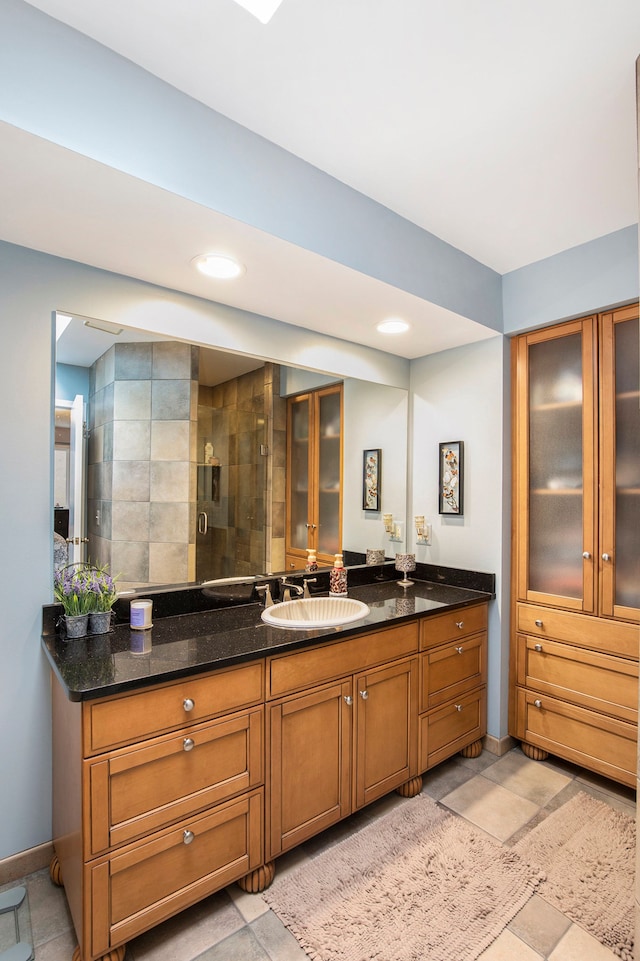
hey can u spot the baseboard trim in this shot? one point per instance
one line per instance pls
(499, 745)
(26, 862)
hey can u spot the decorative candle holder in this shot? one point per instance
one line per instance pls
(374, 556)
(404, 563)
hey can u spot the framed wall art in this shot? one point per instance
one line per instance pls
(451, 477)
(371, 479)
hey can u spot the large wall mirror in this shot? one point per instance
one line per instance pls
(174, 456)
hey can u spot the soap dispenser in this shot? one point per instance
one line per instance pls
(312, 564)
(338, 578)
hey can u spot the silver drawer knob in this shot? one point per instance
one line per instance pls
(537, 647)
(364, 695)
(458, 707)
(348, 699)
(586, 555)
(459, 650)
(188, 744)
(188, 704)
(537, 703)
(460, 624)
(606, 557)
(538, 623)
(188, 837)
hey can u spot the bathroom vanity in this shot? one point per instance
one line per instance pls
(194, 755)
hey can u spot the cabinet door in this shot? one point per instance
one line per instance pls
(329, 474)
(386, 753)
(556, 483)
(620, 464)
(309, 761)
(299, 472)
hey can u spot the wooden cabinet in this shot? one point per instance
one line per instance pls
(334, 747)
(314, 476)
(576, 563)
(166, 794)
(158, 800)
(453, 684)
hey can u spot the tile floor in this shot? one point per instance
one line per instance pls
(504, 797)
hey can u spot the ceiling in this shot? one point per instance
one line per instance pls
(506, 129)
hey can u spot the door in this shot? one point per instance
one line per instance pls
(556, 479)
(386, 750)
(619, 553)
(309, 740)
(77, 471)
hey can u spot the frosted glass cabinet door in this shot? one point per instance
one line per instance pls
(556, 485)
(620, 464)
(299, 472)
(329, 472)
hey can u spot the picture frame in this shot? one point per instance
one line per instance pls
(451, 477)
(371, 479)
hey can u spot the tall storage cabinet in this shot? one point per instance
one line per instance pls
(576, 554)
(314, 476)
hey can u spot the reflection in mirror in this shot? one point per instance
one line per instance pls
(186, 456)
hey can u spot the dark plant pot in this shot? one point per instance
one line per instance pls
(100, 622)
(76, 625)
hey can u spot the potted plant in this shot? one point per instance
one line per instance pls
(102, 585)
(70, 589)
(87, 594)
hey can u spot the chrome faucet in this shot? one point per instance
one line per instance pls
(290, 587)
(266, 590)
(307, 581)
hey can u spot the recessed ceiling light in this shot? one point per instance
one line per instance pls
(392, 326)
(262, 9)
(218, 266)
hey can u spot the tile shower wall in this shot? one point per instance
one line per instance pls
(242, 491)
(142, 471)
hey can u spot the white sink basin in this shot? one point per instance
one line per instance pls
(309, 612)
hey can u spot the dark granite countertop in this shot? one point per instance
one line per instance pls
(182, 644)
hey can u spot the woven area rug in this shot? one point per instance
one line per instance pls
(587, 851)
(416, 884)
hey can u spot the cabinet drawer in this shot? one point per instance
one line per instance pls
(132, 717)
(294, 672)
(597, 681)
(596, 633)
(445, 627)
(449, 671)
(600, 743)
(448, 729)
(140, 790)
(147, 882)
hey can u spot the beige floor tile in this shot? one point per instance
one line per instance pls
(529, 779)
(540, 925)
(189, 933)
(507, 947)
(578, 945)
(491, 807)
(250, 906)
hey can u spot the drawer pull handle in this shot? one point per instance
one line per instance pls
(458, 707)
(188, 837)
(188, 704)
(537, 703)
(364, 695)
(538, 623)
(348, 699)
(188, 744)
(460, 624)
(537, 647)
(459, 650)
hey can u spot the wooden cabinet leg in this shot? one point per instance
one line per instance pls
(55, 871)
(535, 753)
(116, 954)
(472, 750)
(259, 879)
(410, 788)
